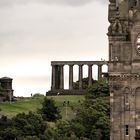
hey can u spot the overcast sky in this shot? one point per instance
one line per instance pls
(35, 32)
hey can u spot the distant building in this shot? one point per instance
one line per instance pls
(6, 91)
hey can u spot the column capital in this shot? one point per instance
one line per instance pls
(99, 65)
(80, 65)
(61, 65)
(90, 65)
(71, 65)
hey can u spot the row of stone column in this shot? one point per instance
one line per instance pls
(58, 76)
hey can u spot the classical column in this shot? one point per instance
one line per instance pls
(89, 75)
(61, 77)
(53, 77)
(99, 72)
(80, 76)
(70, 77)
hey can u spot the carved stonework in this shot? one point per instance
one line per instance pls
(117, 27)
(112, 1)
(124, 73)
(136, 16)
(124, 77)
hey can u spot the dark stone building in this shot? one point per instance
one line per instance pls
(124, 68)
(6, 91)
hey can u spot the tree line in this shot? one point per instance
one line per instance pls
(91, 121)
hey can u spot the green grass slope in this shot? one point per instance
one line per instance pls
(66, 104)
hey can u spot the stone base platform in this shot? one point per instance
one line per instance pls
(65, 92)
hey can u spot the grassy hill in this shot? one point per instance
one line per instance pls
(66, 104)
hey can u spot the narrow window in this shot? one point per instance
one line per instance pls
(138, 43)
(126, 99)
(111, 53)
(126, 130)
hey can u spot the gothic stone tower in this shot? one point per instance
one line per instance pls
(124, 68)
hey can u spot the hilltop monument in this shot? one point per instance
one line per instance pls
(124, 68)
(6, 91)
(57, 85)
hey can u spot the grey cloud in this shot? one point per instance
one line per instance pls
(74, 2)
(25, 28)
(68, 2)
(4, 3)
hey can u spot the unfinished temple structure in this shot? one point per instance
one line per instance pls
(57, 85)
(124, 74)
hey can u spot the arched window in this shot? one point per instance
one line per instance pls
(126, 98)
(137, 112)
(126, 93)
(138, 43)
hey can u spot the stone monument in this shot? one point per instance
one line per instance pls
(6, 91)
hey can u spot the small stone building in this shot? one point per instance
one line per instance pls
(6, 91)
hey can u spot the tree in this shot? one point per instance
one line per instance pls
(78, 129)
(98, 89)
(63, 128)
(30, 124)
(5, 122)
(30, 138)
(94, 113)
(84, 83)
(69, 130)
(22, 126)
(9, 133)
(49, 110)
(50, 134)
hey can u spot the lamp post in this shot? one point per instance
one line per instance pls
(66, 110)
(66, 103)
